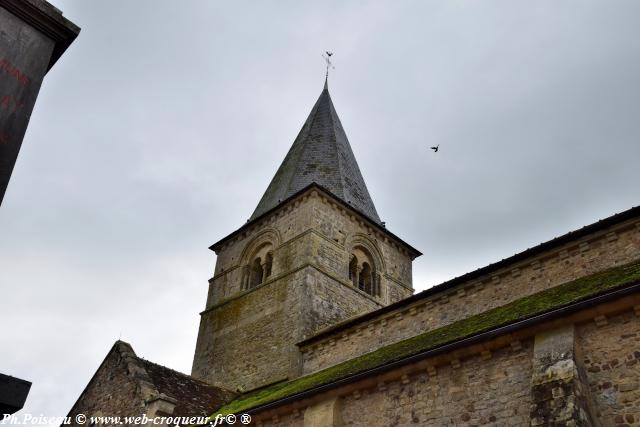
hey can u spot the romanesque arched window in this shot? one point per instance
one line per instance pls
(258, 266)
(362, 271)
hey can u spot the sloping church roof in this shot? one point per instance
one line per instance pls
(549, 304)
(320, 154)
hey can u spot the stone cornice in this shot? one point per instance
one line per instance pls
(319, 190)
(48, 20)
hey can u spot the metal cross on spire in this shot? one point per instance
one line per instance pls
(327, 57)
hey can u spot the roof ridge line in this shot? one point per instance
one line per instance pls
(335, 143)
(190, 377)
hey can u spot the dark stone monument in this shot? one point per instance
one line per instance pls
(33, 35)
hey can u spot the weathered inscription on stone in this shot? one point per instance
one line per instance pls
(24, 55)
(9, 103)
(8, 68)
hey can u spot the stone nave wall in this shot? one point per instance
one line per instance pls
(580, 370)
(616, 245)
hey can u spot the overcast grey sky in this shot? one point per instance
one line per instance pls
(159, 129)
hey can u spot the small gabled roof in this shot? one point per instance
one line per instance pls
(191, 396)
(320, 154)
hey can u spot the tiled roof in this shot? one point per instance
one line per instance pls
(321, 153)
(488, 269)
(548, 304)
(193, 397)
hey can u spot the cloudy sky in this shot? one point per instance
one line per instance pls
(159, 129)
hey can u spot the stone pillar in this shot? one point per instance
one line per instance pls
(245, 278)
(323, 414)
(560, 396)
(264, 271)
(34, 35)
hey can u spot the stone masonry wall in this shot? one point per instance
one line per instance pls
(308, 290)
(491, 391)
(581, 370)
(335, 229)
(611, 357)
(250, 341)
(112, 391)
(287, 223)
(615, 246)
(241, 343)
(344, 227)
(327, 303)
(558, 386)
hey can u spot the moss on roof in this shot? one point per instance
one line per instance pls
(567, 293)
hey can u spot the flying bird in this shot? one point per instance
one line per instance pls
(329, 53)
(435, 149)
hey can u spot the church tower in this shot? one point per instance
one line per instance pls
(313, 254)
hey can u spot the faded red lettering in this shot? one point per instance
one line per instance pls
(15, 72)
(5, 101)
(10, 103)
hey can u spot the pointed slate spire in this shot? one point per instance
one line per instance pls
(320, 154)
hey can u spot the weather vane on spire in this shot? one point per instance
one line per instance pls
(327, 57)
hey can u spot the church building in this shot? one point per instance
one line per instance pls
(311, 320)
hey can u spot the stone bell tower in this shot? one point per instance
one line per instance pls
(313, 254)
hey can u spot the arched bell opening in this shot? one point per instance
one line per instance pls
(362, 272)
